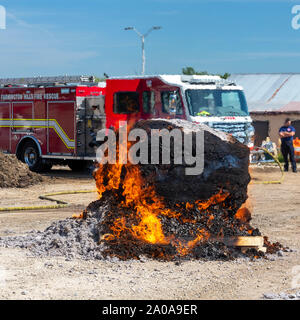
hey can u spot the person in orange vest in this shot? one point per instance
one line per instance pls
(287, 133)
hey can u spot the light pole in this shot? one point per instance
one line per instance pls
(143, 36)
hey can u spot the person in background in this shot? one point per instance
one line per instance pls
(286, 133)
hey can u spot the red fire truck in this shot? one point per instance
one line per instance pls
(55, 120)
(42, 120)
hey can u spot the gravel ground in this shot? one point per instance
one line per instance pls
(275, 212)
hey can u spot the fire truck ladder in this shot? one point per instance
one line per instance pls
(35, 81)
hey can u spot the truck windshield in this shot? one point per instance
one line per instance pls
(216, 102)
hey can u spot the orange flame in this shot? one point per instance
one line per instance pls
(149, 229)
(243, 214)
(184, 248)
(148, 206)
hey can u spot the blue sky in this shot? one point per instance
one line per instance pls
(55, 37)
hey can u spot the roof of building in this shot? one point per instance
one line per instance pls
(275, 92)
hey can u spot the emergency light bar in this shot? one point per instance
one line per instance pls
(206, 79)
(46, 80)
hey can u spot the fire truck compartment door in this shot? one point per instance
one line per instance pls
(22, 116)
(95, 120)
(5, 122)
(61, 126)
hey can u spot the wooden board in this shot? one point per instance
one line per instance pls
(242, 241)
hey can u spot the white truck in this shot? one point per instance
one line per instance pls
(219, 103)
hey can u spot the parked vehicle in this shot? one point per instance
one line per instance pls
(219, 103)
(55, 120)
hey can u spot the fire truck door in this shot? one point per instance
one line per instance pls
(61, 126)
(5, 122)
(22, 121)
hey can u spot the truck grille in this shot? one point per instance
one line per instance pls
(238, 130)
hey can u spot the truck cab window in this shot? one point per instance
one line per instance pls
(148, 102)
(171, 102)
(219, 103)
(126, 102)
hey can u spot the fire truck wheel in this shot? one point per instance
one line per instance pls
(77, 165)
(30, 156)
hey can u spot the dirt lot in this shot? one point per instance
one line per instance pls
(276, 212)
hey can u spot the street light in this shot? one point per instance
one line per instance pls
(143, 36)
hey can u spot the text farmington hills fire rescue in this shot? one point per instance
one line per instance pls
(30, 96)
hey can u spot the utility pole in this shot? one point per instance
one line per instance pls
(143, 36)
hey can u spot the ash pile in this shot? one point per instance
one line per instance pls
(16, 174)
(158, 210)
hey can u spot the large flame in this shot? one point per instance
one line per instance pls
(147, 207)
